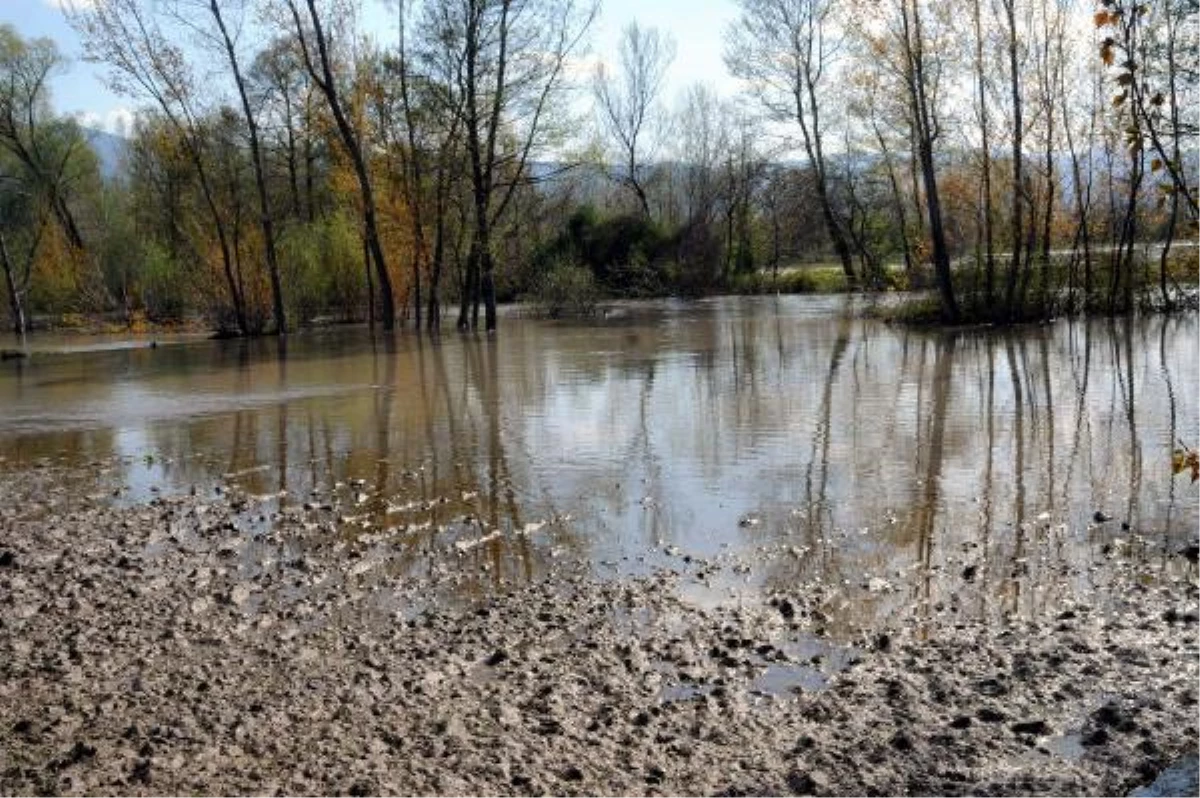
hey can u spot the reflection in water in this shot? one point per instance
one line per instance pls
(864, 457)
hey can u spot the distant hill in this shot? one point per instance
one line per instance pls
(110, 150)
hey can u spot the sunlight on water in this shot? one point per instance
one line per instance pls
(790, 430)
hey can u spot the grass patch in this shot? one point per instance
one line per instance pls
(794, 280)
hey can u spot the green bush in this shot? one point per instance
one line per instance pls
(322, 265)
(566, 290)
(625, 253)
(164, 296)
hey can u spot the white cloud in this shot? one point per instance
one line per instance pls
(118, 121)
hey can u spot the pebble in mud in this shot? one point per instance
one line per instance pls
(197, 673)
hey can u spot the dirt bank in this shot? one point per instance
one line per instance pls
(162, 649)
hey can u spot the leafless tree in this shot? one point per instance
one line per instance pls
(785, 50)
(514, 55)
(626, 100)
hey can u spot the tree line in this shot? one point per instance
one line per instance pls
(1023, 158)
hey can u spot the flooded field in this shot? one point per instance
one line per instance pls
(789, 437)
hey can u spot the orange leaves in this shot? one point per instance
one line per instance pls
(1102, 18)
(1108, 51)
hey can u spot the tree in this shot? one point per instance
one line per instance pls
(316, 48)
(513, 55)
(22, 224)
(704, 139)
(283, 93)
(785, 50)
(626, 100)
(918, 67)
(44, 146)
(145, 61)
(431, 109)
(256, 156)
(1020, 189)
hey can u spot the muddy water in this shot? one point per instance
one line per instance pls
(786, 440)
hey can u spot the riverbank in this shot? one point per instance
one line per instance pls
(165, 648)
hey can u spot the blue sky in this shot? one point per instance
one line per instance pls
(697, 25)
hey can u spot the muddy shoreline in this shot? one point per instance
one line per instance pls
(140, 655)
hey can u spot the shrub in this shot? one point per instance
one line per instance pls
(566, 290)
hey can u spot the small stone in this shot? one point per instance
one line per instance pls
(961, 722)
(572, 773)
(801, 783)
(1100, 518)
(80, 752)
(1036, 727)
(141, 772)
(8, 559)
(989, 715)
(499, 656)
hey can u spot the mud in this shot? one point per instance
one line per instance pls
(165, 648)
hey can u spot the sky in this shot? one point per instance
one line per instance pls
(696, 25)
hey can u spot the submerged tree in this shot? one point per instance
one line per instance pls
(514, 55)
(265, 219)
(312, 32)
(146, 61)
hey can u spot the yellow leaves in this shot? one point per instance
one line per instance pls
(1184, 459)
(1156, 165)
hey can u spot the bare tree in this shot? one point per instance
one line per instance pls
(626, 101)
(704, 139)
(1020, 189)
(918, 69)
(785, 50)
(982, 101)
(432, 108)
(513, 56)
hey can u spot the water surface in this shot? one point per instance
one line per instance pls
(788, 433)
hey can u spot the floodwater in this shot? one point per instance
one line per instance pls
(787, 437)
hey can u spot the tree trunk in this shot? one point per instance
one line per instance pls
(1018, 185)
(264, 209)
(989, 295)
(923, 117)
(15, 303)
(325, 82)
(816, 155)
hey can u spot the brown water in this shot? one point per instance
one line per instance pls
(784, 433)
